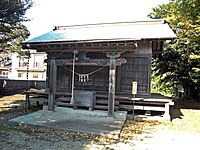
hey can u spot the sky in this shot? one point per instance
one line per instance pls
(45, 14)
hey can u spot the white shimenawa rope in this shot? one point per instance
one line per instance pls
(84, 77)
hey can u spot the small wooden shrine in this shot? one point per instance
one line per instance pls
(101, 58)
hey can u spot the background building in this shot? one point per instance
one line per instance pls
(5, 65)
(33, 68)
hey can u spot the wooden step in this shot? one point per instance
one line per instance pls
(103, 107)
(126, 107)
(136, 107)
(104, 102)
(63, 99)
(143, 103)
(125, 103)
(64, 104)
(119, 97)
(102, 96)
(150, 108)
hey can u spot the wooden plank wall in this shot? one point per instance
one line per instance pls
(136, 69)
(97, 81)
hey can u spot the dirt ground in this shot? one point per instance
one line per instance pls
(183, 132)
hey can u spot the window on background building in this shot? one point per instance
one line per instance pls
(35, 75)
(39, 61)
(20, 75)
(23, 61)
(5, 73)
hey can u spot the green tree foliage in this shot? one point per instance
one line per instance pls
(12, 31)
(180, 61)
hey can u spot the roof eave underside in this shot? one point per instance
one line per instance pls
(97, 41)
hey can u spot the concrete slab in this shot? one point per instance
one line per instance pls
(83, 121)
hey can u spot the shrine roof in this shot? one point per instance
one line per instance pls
(137, 30)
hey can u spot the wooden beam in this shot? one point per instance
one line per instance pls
(89, 62)
(52, 85)
(89, 47)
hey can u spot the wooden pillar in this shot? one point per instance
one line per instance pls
(52, 85)
(112, 78)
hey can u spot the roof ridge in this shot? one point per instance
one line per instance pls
(150, 21)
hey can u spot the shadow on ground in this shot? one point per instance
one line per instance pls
(175, 111)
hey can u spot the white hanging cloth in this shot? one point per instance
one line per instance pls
(83, 77)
